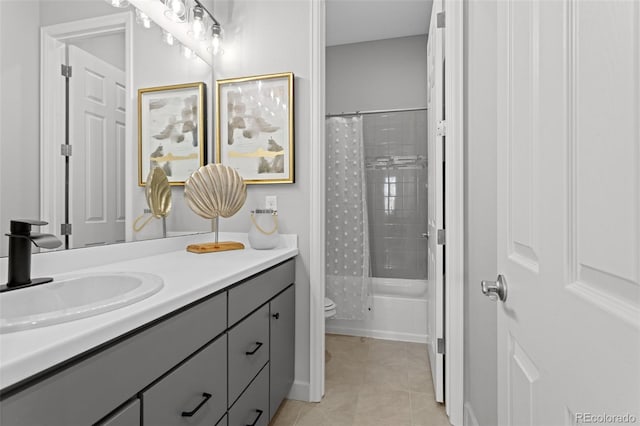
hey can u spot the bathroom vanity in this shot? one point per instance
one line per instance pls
(220, 352)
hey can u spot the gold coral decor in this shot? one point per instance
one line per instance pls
(254, 127)
(212, 191)
(158, 193)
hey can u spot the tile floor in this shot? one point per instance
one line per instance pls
(370, 382)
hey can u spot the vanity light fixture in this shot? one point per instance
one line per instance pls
(143, 19)
(176, 10)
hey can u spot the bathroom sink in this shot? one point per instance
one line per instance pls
(72, 297)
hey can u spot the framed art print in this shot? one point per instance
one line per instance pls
(254, 127)
(171, 131)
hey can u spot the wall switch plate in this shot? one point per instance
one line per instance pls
(271, 202)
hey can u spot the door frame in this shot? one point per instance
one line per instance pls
(454, 207)
(454, 210)
(52, 108)
(317, 207)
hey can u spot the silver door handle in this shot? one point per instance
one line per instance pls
(495, 290)
(425, 235)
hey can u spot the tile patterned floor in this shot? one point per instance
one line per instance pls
(370, 382)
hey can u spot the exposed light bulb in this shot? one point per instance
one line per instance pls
(168, 38)
(216, 40)
(176, 10)
(143, 19)
(198, 25)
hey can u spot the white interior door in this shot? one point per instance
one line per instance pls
(435, 203)
(569, 211)
(97, 99)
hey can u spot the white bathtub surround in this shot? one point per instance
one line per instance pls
(187, 278)
(399, 312)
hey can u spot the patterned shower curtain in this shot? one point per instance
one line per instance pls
(347, 234)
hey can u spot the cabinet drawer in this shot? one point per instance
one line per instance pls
(252, 408)
(140, 359)
(248, 350)
(129, 415)
(258, 290)
(193, 394)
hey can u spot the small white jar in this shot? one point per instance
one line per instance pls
(263, 234)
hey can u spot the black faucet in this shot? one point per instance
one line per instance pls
(20, 253)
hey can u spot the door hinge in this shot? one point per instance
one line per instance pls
(66, 71)
(440, 20)
(442, 237)
(65, 229)
(66, 150)
(440, 345)
(441, 128)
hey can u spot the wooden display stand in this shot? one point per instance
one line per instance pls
(214, 247)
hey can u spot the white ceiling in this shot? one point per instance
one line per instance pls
(354, 21)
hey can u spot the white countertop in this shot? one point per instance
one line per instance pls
(187, 278)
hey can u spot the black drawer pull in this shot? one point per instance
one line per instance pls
(205, 398)
(258, 345)
(276, 315)
(257, 418)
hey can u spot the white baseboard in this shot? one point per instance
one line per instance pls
(469, 416)
(300, 391)
(376, 334)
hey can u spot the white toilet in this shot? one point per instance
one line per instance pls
(329, 308)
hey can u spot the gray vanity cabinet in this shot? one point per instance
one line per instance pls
(227, 359)
(282, 347)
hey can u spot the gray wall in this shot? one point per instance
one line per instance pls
(382, 74)
(480, 370)
(20, 114)
(263, 37)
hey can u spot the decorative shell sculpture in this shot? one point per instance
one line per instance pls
(215, 190)
(158, 192)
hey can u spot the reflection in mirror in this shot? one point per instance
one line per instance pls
(111, 57)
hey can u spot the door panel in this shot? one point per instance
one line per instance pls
(568, 210)
(435, 201)
(97, 134)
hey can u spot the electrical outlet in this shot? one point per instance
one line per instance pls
(271, 202)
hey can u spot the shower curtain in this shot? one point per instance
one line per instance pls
(347, 235)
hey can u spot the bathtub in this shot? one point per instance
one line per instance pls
(399, 312)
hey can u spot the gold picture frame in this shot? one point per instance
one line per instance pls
(254, 127)
(172, 130)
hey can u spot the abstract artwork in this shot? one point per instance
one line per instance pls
(254, 127)
(171, 131)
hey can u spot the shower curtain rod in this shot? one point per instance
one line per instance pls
(379, 111)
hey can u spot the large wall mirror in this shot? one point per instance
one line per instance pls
(112, 56)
